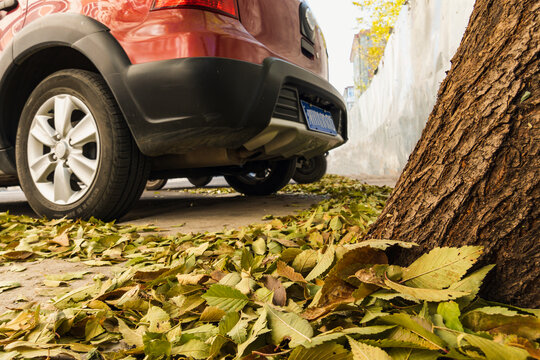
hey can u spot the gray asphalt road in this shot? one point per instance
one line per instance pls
(177, 211)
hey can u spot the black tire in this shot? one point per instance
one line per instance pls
(200, 181)
(121, 170)
(311, 170)
(274, 178)
(156, 184)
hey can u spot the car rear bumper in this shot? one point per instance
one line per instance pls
(187, 104)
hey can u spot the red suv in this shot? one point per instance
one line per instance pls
(98, 96)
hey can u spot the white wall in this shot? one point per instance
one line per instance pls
(388, 119)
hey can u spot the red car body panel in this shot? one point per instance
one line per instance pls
(10, 23)
(278, 28)
(264, 30)
(187, 80)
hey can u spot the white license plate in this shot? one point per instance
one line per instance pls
(318, 119)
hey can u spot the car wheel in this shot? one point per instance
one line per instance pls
(311, 170)
(200, 181)
(75, 155)
(266, 181)
(156, 184)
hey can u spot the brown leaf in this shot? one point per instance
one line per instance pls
(305, 261)
(280, 294)
(289, 273)
(62, 239)
(335, 290)
(145, 276)
(318, 313)
(355, 260)
(290, 254)
(114, 294)
(263, 353)
(340, 283)
(212, 314)
(369, 276)
(527, 345)
(217, 275)
(347, 238)
(18, 255)
(189, 279)
(270, 259)
(364, 291)
(287, 243)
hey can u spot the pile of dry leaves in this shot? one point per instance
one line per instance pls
(304, 286)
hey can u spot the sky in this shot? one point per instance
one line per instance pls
(337, 19)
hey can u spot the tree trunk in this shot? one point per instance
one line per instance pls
(473, 177)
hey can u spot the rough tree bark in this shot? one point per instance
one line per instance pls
(474, 176)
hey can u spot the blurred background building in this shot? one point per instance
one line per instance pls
(388, 117)
(349, 96)
(362, 67)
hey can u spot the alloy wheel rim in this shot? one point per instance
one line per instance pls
(63, 149)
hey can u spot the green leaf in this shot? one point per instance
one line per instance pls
(472, 283)
(202, 332)
(495, 351)
(231, 279)
(247, 259)
(525, 96)
(412, 354)
(290, 326)
(323, 264)
(194, 348)
(402, 338)
(238, 333)
(131, 337)
(407, 322)
(501, 320)
(216, 345)
(327, 351)
(372, 312)
(67, 276)
(425, 294)
(305, 261)
(258, 329)
(447, 335)
(226, 298)
(335, 223)
(259, 246)
(157, 319)
(8, 285)
(441, 267)
(450, 313)
(228, 322)
(357, 331)
(156, 346)
(366, 352)
(92, 329)
(76, 296)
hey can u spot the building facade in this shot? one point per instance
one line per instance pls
(349, 96)
(363, 69)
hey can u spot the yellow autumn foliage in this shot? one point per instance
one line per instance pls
(379, 17)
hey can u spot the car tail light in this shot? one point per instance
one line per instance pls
(227, 7)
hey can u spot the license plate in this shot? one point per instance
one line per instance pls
(318, 119)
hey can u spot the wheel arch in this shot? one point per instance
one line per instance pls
(52, 43)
